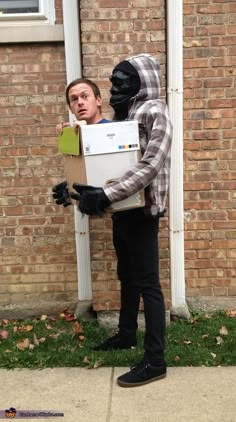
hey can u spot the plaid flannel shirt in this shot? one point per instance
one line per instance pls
(152, 172)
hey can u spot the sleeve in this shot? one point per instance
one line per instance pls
(158, 148)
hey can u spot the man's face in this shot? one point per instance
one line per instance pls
(121, 87)
(83, 103)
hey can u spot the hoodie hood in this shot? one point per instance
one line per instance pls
(148, 69)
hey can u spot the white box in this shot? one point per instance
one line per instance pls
(109, 150)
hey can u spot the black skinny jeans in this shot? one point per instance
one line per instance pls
(135, 238)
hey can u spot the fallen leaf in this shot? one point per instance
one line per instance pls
(86, 359)
(219, 340)
(177, 358)
(77, 328)
(96, 364)
(42, 340)
(223, 331)
(3, 335)
(48, 326)
(231, 313)
(213, 355)
(36, 342)
(81, 338)
(70, 317)
(43, 317)
(54, 336)
(205, 336)
(25, 328)
(186, 342)
(23, 344)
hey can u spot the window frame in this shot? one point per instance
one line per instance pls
(46, 15)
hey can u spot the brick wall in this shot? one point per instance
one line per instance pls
(37, 246)
(210, 147)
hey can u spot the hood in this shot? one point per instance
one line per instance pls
(148, 69)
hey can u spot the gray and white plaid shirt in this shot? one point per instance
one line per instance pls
(152, 171)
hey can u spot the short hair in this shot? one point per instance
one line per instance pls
(86, 81)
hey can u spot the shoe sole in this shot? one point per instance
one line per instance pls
(137, 384)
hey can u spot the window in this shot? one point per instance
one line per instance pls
(25, 10)
(29, 21)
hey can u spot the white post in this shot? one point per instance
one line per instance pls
(73, 71)
(176, 207)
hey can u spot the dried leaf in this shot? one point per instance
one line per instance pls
(231, 313)
(36, 342)
(213, 355)
(25, 328)
(43, 317)
(3, 335)
(54, 336)
(223, 331)
(48, 326)
(186, 342)
(177, 358)
(219, 340)
(23, 344)
(96, 364)
(70, 317)
(77, 328)
(81, 338)
(205, 336)
(42, 340)
(15, 329)
(86, 359)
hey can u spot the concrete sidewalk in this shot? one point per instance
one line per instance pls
(187, 395)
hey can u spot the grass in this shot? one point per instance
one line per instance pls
(204, 340)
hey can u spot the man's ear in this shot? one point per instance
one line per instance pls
(99, 101)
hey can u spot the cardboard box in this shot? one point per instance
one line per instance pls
(108, 151)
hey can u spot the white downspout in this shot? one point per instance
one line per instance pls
(176, 204)
(74, 70)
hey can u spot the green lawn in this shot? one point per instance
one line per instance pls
(208, 340)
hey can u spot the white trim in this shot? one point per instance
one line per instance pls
(16, 34)
(175, 103)
(73, 71)
(46, 13)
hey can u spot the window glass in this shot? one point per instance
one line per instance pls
(19, 6)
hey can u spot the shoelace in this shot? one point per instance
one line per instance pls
(140, 367)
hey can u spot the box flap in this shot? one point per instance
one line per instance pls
(68, 142)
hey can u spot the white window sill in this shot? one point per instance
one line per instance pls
(31, 33)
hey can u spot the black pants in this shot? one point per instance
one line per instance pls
(135, 238)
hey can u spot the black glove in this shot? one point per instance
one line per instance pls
(92, 200)
(61, 194)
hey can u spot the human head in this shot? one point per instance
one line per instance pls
(84, 100)
(125, 85)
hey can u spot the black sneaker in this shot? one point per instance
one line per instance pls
(141, 374)
(115, 342)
